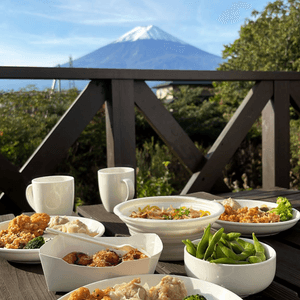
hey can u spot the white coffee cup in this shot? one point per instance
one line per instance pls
(53, 195)
(116, 185)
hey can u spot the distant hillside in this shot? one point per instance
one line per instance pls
(146, 47)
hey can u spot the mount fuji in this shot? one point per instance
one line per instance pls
(144, 47)
(149, 48)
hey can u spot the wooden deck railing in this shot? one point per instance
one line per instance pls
(122, 90)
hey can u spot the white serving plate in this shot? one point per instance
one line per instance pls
(57, 271)
(194, 286)
(260, 229)
(31, 256)
(171, 232)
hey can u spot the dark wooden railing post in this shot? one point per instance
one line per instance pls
(120, 125)
(276, 138)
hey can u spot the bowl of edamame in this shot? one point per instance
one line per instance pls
(244, 266)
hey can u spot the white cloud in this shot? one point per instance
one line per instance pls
(72, 41)
(17, 57)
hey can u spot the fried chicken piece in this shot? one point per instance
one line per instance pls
(100, 294)
(70, 258)
(105, 258)
(83, 293)
(169, 288)
(22, 229)
(78, 258)
(133, 254)
(19, 223)
(83, 259)
(41, 220)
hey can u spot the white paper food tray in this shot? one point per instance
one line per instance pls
(63, 277)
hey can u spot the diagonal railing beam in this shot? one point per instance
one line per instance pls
(171, 132)
(12, 185)
(54, 147)
(167, 127)
(295, 93)
(231, 137)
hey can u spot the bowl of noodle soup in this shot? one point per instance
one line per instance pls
(181, 225)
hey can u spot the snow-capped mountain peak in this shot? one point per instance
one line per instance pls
(147, 33)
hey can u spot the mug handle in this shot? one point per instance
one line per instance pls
(29, 196)
(129, 187)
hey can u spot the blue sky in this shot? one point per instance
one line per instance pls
(46, 33)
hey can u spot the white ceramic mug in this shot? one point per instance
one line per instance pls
(53, 195)
(116, 185)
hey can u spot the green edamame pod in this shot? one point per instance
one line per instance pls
(231, 254)
(236, 247)
(259, 248)
(228, 252)
(232, 236)
(261, 255)
(227, 260)
(245, 254)
(257, 245)
(246, 245)
(202, 245)
(254, 259)
(214, 240)
(224, 236)
(190, 247)
(218, 252)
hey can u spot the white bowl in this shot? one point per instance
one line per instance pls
(63, 277)
(171, 232)
(243, 280)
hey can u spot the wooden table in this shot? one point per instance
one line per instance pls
(22, 281)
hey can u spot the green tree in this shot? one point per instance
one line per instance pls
(268, 41)
(201, 119)
(26, 118)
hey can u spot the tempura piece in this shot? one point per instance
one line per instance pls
(232, 203)
(131, 290)
(169, 288)
(65, 225)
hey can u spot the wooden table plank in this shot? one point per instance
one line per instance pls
(22, 281)
(264, 195)
(287, 262)
(111, 222)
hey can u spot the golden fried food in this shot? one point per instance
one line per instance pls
(248, 215)
(105, 258)
(41, 220)
(22, 229)
(83, 293)
(133, 254)
(169, 288)
(78, 258)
